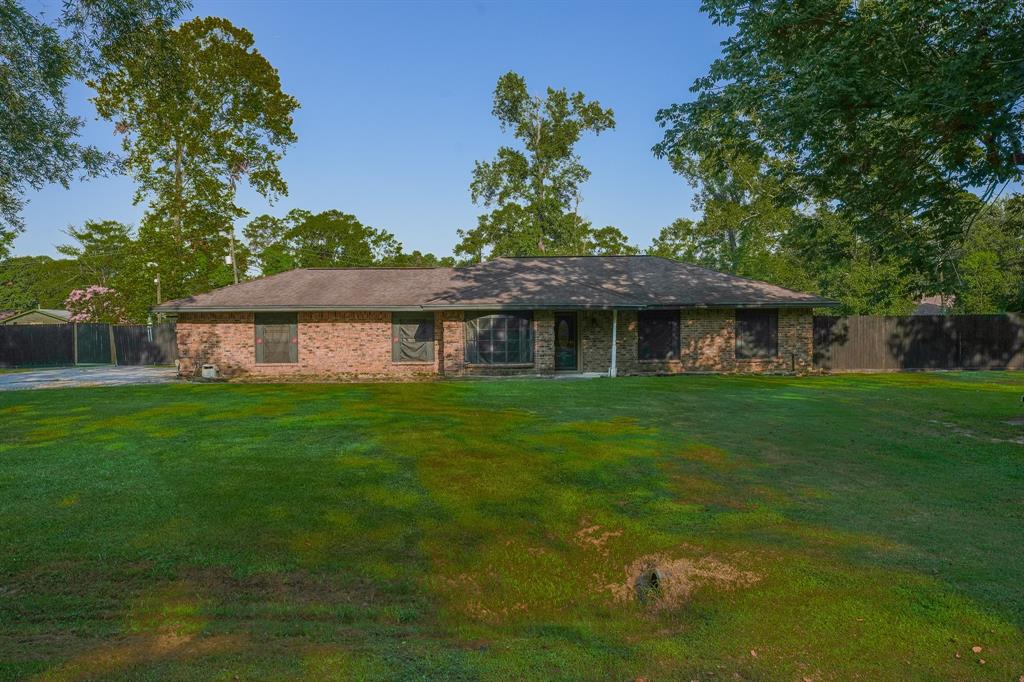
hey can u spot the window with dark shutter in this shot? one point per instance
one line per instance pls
(757, 334)
(277, 337)
(658, 332)
(499, 338)
(412, 337)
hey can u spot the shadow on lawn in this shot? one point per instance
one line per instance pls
(489, 539)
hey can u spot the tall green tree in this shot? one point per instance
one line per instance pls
(303, 239)
(37, 282)
(990, 270)
(417, 259)
(39, 141)
(102, 251)
(107, 254)
(887, 109)
(816, 251)
(675, 241)
(200, 111)
(746, 215)
(609, 241)
(839, 264)
(533, 189)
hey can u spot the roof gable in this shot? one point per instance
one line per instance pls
(58, 316)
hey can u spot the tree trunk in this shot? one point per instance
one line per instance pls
(178, 153)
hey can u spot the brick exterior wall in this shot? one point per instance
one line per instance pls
(453, 342)
(357, 345)
(332, 345)
(595, 331)
(707, 343)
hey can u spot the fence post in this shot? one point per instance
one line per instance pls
(74, 342)
(113, 345)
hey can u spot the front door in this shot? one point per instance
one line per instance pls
(565, 341)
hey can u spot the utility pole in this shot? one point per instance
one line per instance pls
(234, 261)
(156, 281)
(231, 226)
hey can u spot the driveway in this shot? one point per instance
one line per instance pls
(65, 377)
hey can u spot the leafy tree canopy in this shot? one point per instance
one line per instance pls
(28, 282)
(102, 250)
(416, 259)
(200, 110)
(990, 269)
(888, 110)
(39, 143)
(109, 255)
(303, 239)
(609, 241)
(534, 190)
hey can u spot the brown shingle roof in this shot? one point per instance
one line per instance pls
(554, 282)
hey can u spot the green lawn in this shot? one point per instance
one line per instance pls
(820, 528)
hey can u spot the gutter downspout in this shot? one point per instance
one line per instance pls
(613, 370)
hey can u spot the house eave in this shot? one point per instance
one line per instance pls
(490, 306)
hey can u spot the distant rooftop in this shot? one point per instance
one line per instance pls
(63, 314)
(52, 312)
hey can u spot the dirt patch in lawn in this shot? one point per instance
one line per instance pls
(118, 657)
(661, 582)
(967, 433)
(590, 535)
(708, 454)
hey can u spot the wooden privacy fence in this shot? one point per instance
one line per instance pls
(41, 345)
(869, 342)
(36, 345)
(139, 344)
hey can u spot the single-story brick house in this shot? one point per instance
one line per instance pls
(612, 315)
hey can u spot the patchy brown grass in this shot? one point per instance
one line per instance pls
(663, 582)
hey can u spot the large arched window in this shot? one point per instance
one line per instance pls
(499, 338)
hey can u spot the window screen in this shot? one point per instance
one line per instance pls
(499, 338)
(277, 337)
(757, 333)
(659, 334)
(412, 337)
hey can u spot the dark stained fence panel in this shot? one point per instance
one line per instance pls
(139, 344)
(991, 341)
(870, 342)
(52, 345)
(36, 345)
(923, 341)
(93, 344)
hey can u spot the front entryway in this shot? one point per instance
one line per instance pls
(566, 341)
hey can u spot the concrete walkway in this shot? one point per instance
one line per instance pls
(65, 377)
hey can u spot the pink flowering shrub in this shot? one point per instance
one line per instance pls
(95, 303)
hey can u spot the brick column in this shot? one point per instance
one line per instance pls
(796, 339)
(544, 341)
(453, 342)
(627, 347)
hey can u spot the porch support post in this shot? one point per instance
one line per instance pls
(613, 370)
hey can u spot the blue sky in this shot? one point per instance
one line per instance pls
(396, 101)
